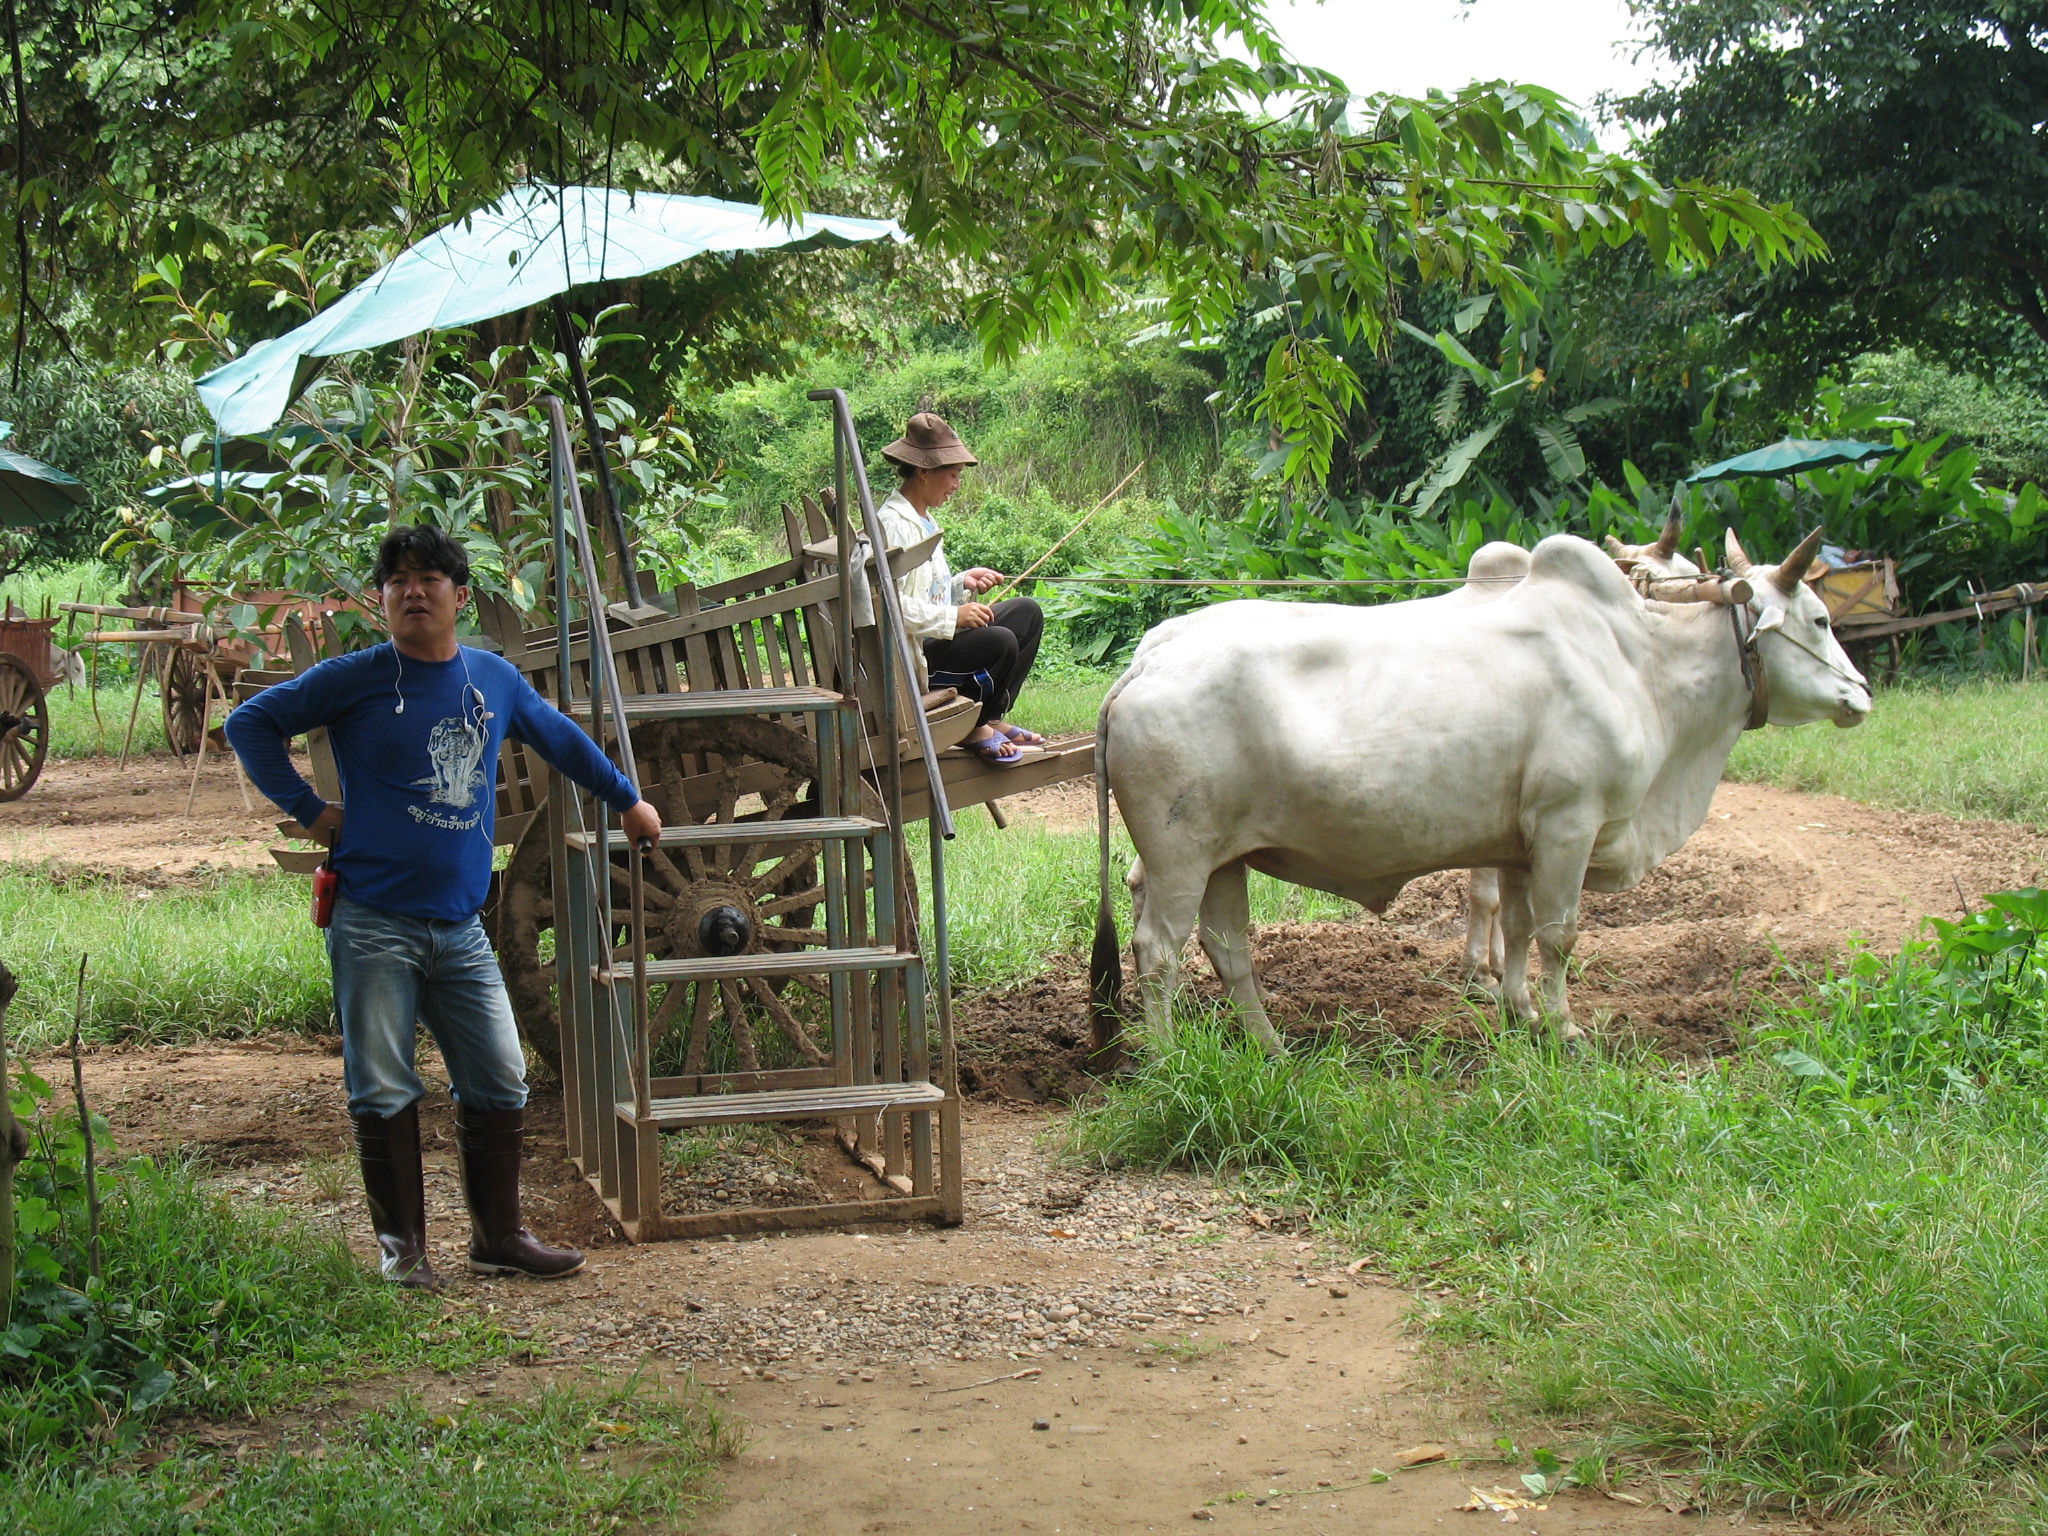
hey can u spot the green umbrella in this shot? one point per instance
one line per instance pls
(31, 492)
(1790, 457)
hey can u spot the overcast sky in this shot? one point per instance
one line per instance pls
(1408, 46)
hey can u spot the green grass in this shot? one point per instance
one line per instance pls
(223, 959)
(77, 731)
(248, 1309)
(1817, 1270)
(1975, 749)
(1063, 698)
(595, 1458)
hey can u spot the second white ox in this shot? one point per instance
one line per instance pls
(1569, 734)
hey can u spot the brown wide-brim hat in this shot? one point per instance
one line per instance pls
(928, 443)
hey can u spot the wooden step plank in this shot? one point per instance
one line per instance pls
(969, 781)
(799, 962)
(790, 829)
(720, 703)
(780, 1218)
(786, 1104)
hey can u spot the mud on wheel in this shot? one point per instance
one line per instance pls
(24, 727)
(726, 899)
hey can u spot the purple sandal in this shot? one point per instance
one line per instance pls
(1020, 736)
(997, 751)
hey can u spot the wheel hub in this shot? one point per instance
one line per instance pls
(715, 917)
(724, 930)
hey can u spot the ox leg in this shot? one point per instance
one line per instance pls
(1227, 941)
(1515, 925)
(1485, 949)
(1165, 917)
(1555, 882)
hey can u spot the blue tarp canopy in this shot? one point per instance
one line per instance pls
(532, 244)
(1790, 457)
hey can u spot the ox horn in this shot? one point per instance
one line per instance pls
(1616, 548)
(1667, 541)
(1792, 569)
(1738, 562)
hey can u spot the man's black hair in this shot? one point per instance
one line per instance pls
(422, 547)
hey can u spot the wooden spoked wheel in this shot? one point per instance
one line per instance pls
(24, 727)
(743, 897)
(184, 694)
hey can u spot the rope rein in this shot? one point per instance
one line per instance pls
(1263, 581)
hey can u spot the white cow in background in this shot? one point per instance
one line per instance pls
(1485, 940)
(1569, 733)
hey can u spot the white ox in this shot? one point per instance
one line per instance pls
(1568, 733)
(1492, 572)
(1485, 939)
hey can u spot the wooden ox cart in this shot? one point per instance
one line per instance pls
(771, 960)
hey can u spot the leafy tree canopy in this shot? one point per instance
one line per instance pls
(1914, 133)
(1052, 150)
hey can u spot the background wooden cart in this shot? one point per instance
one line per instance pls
(196, 658)
(28, 670)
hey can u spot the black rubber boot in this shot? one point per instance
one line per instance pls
(489, 1144)
(394, 1185)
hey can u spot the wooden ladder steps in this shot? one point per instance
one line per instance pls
(790, 829)
(785, 1104)
(795, 962)
(720, 703)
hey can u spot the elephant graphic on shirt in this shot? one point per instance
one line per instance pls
(456, 751)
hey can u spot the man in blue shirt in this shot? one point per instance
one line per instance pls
(416, 725)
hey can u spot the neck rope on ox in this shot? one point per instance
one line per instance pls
(1752, 664)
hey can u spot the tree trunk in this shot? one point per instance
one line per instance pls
(13, 1148)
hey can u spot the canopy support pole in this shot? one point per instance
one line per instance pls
(572, 349)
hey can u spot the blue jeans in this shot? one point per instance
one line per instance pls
(393, 972)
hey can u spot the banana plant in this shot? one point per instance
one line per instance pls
(1517, 393)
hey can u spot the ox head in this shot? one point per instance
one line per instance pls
(1810, 675)
(1659, 558)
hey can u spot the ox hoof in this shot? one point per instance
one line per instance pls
(1110, 1060)
(1482, 989)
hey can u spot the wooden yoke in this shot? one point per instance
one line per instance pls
(1722, 591)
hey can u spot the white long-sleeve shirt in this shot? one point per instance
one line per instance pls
(931, 594)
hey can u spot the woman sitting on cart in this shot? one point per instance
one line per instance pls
(984, 651)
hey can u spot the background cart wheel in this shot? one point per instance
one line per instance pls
(24, 727)
(728, 899)
(184, 695)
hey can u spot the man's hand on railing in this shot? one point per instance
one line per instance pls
(642, 823)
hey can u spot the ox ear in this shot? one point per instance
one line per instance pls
(1738, 562)
(1792, 569)
(1771, 619)
(1667, 541)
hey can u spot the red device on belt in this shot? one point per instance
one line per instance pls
(326, 885)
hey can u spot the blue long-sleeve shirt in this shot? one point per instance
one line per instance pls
(417, 746)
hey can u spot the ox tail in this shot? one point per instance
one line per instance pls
(1105, 960)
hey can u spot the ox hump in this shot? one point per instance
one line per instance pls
(1498, 562)
(1563, 559)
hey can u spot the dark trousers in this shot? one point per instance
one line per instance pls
(990, 663)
